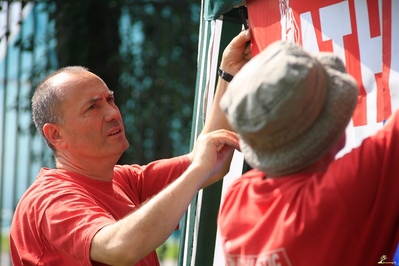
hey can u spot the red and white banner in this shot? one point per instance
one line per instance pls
(364, 33)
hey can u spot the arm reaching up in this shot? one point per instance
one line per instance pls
(128, 240)
(235, 56)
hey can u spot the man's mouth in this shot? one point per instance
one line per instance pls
(114, 132)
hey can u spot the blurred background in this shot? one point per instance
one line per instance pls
(146, 52)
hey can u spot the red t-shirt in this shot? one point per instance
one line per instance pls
(347, 215)
(58, 216)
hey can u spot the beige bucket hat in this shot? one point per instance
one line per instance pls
(289, 107)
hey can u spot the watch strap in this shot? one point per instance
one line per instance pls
(224, 75)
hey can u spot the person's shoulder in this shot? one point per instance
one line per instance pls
(393, 120)
(160, 164)
(53, 183)
(252, 175)
(49, 185)
(54, 177)
(247, 178)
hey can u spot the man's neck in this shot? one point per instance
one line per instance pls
(95, 169)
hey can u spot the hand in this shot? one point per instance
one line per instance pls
(237, 53)
(211, 150)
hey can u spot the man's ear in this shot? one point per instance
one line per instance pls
(52, 133)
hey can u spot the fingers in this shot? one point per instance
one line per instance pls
(225, 138)
(247, 52)
(216, 143)
(230, 139)
(212, 149)
(237, 53)
(241, 39)
(219, 139)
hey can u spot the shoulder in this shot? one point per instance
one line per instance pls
(179, 163)
(240, 186)
(249, 177)
(50, 185)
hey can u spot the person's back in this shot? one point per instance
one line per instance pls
(299, 206)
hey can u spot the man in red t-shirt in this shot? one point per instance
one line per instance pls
(299, 205)
(89, 211)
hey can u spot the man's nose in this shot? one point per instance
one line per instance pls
(111, 113)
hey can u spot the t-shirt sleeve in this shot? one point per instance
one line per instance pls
(150, 179)
(70, 223)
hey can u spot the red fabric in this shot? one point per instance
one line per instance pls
(61, 212)
(347, 215)
(351, 29)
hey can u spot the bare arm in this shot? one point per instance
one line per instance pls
(235, 56)
(128, 240)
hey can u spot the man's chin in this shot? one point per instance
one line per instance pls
(127, 146)
(120, 148)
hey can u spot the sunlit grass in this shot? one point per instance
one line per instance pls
(5, 243)
(169, 250)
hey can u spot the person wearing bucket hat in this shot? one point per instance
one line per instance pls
(299, 204)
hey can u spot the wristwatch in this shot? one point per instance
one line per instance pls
(224, 75)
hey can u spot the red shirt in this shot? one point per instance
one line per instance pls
(347, 215)
(58, 216)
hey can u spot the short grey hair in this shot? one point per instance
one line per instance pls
(47, 99)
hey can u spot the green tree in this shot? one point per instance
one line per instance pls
(146, 52)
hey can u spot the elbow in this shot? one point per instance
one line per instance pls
(117, 255)
(125, 259)
(109, 249)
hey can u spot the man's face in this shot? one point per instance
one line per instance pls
(93, 125)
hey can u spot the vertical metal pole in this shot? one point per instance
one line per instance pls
(211, 198)
(187, 226)
(199, 231)
(199, 228)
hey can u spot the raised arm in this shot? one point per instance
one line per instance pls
(128, 240)
(235, 56)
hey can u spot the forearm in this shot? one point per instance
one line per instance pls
(217, 120)
(132, 238)
(236, 54)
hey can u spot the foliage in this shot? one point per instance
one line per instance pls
(159, 75)
(146, 52)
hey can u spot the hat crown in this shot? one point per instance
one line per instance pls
(288, 107)
(283, 101)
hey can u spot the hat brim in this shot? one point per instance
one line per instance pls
(318, 139)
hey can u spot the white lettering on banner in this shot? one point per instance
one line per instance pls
(330, 31)
(371, 62)
(308, 34)
(272, 258)
(289, 27)
(335, 24)
(364, 34)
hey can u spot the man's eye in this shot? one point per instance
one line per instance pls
(91, 107)
(111, 99)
